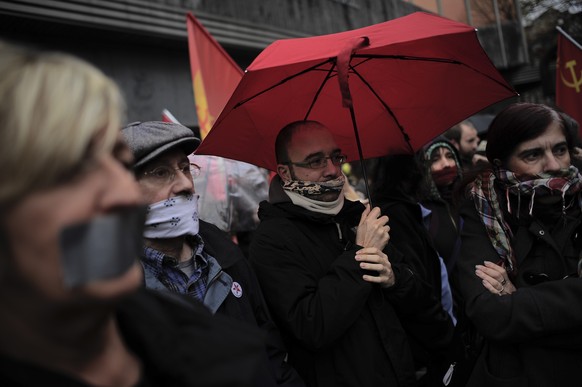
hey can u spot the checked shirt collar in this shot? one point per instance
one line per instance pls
(165, 269)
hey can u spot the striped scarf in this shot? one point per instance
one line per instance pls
(482, 190)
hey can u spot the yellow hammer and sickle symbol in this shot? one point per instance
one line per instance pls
(576, 82)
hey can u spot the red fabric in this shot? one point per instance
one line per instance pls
(445, 176)
(569, 78)
(294, 79)
(214, 74)
(343, 62)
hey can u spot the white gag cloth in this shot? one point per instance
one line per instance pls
(173, 217)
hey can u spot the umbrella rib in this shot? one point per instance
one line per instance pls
(327, 77)
(425, 59)
(314, 67)
(406, 57)
(404, 134)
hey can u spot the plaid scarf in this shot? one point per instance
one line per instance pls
(484, 194)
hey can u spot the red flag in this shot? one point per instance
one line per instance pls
(214, 74)
(569, 76)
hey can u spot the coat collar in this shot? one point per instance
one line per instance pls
(350, 212)
(218, 245)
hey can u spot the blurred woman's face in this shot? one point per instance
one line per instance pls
(546, 153)
(101, 186)
(441, 158)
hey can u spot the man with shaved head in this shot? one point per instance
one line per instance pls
(334, 283)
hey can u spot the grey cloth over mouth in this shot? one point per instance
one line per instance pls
(103, 248)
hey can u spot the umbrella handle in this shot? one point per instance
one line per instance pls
(360, 154)
(342, 64)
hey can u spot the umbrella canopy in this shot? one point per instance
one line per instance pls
(398, 83)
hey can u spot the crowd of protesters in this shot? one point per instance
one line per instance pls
(463, 272)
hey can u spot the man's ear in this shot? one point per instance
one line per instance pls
(283, 172)
(455, 144)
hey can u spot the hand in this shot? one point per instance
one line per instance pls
(479, 159)
(373, 229)
(494, 278)
(371, 258)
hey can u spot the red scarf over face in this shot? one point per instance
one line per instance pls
(445, 176)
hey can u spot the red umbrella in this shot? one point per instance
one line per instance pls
(384, 89)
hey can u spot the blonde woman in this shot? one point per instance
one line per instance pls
(73, 311)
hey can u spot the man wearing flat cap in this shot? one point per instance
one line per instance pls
(183, 254)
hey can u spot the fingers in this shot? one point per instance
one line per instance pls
(492, 288)
(491, 284)
(378, 237)
(373, 216)
(380, 219)
(494, 278)
(375, 260)
(385, 280)
(372, 253)
(494, 271)
(372, 256)
(488, 275)
(495, 267)
(364, 214)
(373, 230)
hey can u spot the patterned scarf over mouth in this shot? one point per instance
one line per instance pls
(567, 181)
(312, 189)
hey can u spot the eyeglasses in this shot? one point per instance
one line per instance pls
(321, 162)
(165, 174)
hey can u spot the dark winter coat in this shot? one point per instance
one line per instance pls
(178, 342)
(339, 329)
(251, 306)
(248, 306)
(432, 344)
(444, 231)
(407, 231)
(534, 335)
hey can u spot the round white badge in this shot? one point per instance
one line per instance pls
(236, 289)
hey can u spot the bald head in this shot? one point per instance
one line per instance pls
(286, 135)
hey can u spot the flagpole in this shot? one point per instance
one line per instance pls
(571, 39)
(170, 116)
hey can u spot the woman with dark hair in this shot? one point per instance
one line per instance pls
(573, 127)
(442, 172)
(521, 242)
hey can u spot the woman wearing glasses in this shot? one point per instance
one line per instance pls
(521, 242)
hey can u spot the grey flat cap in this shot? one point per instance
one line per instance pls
(148, 140)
